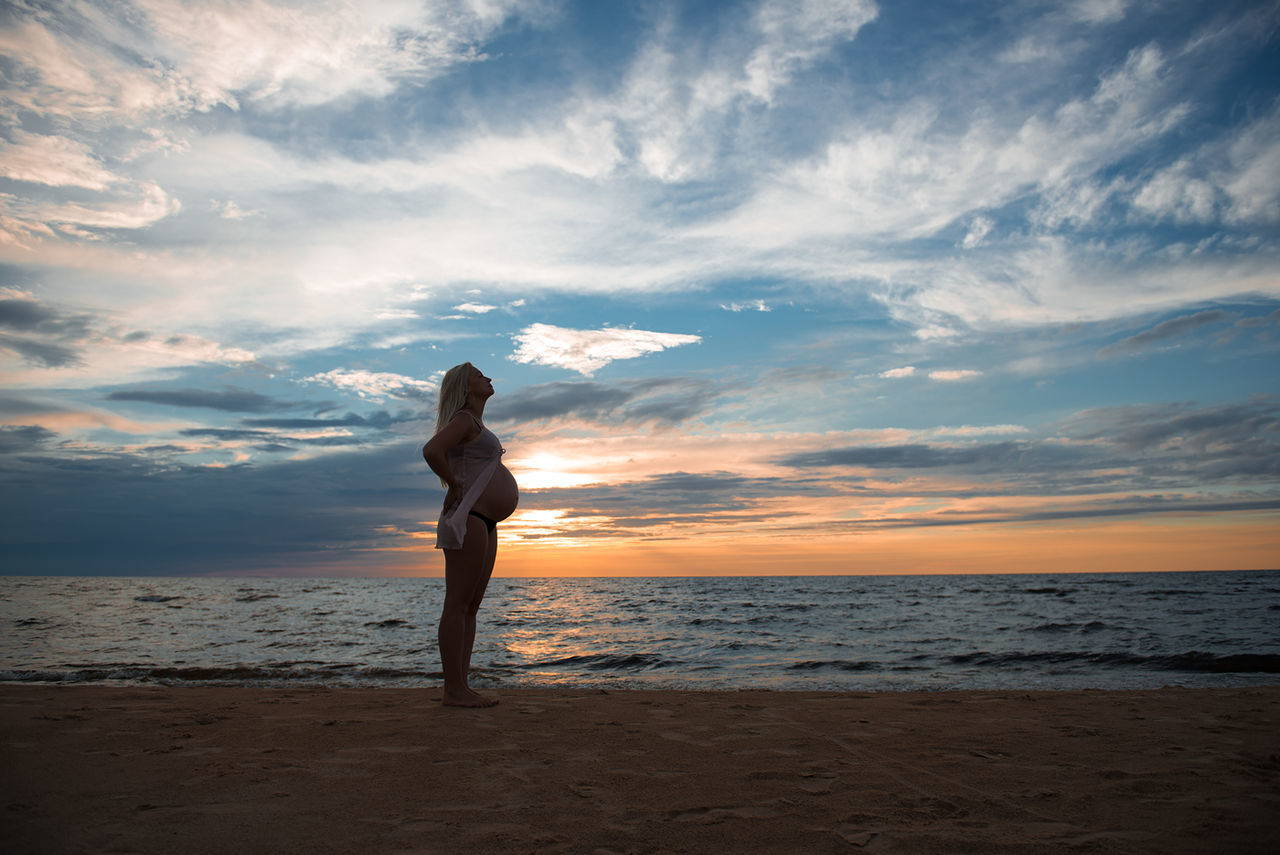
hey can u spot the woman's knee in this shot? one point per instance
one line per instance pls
(466, 603)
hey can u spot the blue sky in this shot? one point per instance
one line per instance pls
(810, 286)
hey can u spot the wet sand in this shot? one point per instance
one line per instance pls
(195, 770)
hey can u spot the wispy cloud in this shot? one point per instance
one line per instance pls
(229, 399)
(668, 401)
(52, 160)
(754, 306)
(1165, 330)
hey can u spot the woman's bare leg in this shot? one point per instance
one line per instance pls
(466, 574)
(491, 555)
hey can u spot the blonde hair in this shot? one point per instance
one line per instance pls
(453, 394)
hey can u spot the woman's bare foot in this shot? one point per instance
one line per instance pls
(468, 699)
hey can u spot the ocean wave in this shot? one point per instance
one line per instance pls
(1236, 663)
(1057, 592)
(834, 664)
(607, 662)
(1091, 626)
(238, 675)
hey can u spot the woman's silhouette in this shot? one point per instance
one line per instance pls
(480, 494)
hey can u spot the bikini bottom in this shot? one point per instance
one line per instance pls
(488, 523)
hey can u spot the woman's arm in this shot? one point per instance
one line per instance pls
(462, 428)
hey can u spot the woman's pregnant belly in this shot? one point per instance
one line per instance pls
(500, 496)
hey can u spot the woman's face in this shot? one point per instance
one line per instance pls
(481, 387)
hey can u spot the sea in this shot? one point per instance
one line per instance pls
(784, 633)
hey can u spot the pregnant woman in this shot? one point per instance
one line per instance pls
(480, 494)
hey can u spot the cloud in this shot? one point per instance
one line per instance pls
(474, 308)
(17, 439)
(551, 400)
(919, 456)
(979, 228)
(375, 385)
(794, 34)
(229, 400)
(154, 58)
(1172, 447)
(381, 419)
(41, 353)
(680, 93)
(1173, 193)
(951, 376)
(21, 311)
(916, 175)
(576, 207)
(1233, 430)
(895, 373)
(1165, 330)
(1098, 11)
(339, 507)
(273, 441)
(187, 349)
(587, 351)
(118, 82)
(66, 340)
(754, 305)
(663, 400)
(129, 205)
(52, 160)
(60, 333)
(229, 210)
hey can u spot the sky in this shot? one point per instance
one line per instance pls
(764, 287)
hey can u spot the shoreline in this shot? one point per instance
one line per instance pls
(214, 769)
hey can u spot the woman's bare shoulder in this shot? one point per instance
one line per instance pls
(460, 429)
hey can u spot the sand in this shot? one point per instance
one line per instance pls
(244, 770)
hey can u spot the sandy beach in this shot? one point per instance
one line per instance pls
(193, 770)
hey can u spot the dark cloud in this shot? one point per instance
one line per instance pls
(277, 440)
(34, 316)
(47, 336)
(675, 497)
(380, 419)
(1252, 424)
(327, 440)
(1180, 444)
(1165, 330)
(1157, 447)
(227, 433)
(24, 314)
(11, 405)
(124, 513)
(1127, 507)
(229, 400)
(43, 353)
(549, 400)
(23, 438)
(999, 455)
(656, 400)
